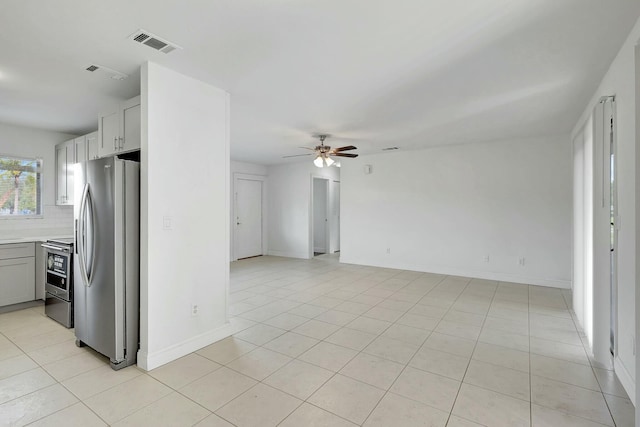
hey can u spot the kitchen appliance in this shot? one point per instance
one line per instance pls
(107, 257)
(59, 280)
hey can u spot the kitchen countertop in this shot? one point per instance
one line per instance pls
(36, 238)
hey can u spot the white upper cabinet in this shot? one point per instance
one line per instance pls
(119, 128)
(67, 153)
(91, 141)
(65, 158)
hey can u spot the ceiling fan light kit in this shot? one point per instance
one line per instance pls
(323, 161)
(323, 153)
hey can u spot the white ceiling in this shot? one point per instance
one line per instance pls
(374, 73)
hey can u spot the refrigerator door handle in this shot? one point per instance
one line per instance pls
(92, 254)
(82, 235)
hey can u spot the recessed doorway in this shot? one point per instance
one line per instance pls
(320, 216)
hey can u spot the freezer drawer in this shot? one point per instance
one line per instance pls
(59, 310)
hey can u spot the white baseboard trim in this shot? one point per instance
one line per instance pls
(288, 254)
(149, 361)
(456, 271)
(625, 379)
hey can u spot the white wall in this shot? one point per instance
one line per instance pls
(444, 209)
(244, 168)
(184, 176)
(289, 214)
(620, 81)
(36, 143)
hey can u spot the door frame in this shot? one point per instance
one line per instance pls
(327, 214)
(335, 219)
(234, 208)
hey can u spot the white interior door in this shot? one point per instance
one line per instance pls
(248, 218)
(320, 217)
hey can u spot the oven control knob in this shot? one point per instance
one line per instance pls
(50, 261)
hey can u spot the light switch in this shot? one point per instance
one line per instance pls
(166, 223)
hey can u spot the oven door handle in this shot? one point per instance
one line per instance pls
(82, 225)
(55, 248)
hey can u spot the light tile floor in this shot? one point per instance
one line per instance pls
(319, 343)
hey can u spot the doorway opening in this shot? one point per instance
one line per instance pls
(320, 216)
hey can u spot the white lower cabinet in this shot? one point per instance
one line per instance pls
(17, 280)
(17, 273)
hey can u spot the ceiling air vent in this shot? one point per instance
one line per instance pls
(389, 148)
(153, 41)
(101, 69)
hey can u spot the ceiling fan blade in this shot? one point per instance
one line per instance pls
(353, 156)
(347, 148)
(297, 155)
(308, 148)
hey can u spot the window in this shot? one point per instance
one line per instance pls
(20, 187)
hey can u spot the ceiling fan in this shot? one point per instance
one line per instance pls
(324, 153)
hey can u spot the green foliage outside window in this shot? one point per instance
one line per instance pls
(20, 186)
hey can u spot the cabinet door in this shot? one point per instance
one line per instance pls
(108, 132)
(81, 149)
(130, 125)
(71, 160)
(92, 145)
(61, 173)
(17, 280)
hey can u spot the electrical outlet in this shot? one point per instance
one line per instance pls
(194, 310)
(521, 261)
(388, 250)
(486, 258)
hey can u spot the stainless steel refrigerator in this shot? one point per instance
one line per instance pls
(107, 257)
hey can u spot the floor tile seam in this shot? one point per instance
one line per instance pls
(439, 374)
(466, 370)
(391, 386)
(558, 358)
(498, 365)
(567, 383)
(66, 407)
(339, 416)
(220, 416)
(142, 373)
(31, 350)
(558, 342)
(467, 419)
(301, 402)
(137, 410)
(576, 415)
(95, 394)
(40, 389)
(220, 366)
(38, 365)
(506, 332)
(573, 385)
(32, 391)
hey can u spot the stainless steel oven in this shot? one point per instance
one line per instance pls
(59, 280)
